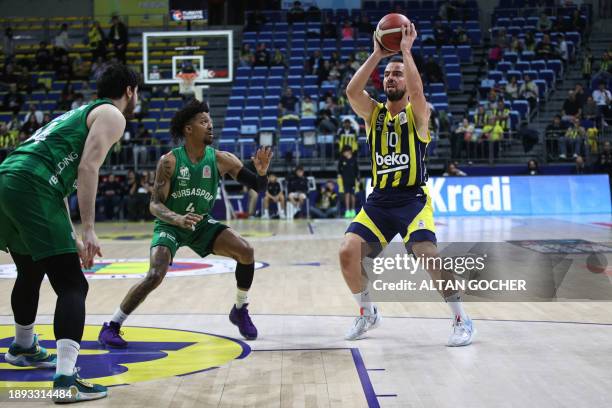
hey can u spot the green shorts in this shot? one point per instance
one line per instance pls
(33, 218)
(201, 240)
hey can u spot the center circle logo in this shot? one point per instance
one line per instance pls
(152, 354)
(136, 268)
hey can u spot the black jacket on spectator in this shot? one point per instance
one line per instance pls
(348, 169)
(297, 184)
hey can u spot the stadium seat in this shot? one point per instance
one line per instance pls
(521, 106)
(514, 73)
(510, 56)
(269, 122)
(495, 75)
(438, 98)
(174, 103)
(504, 66)
(549, 76)
(246, 147)
(228, 145)
(538, 65)
(453, 81)
(522, 66)
(555, 65)
(436, 87)
(452, 69)
(542, 88)
(286, 145)
(257, 92)
(229, 132)
(465, 53)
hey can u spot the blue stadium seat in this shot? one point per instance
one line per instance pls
(236, 101)
(277, 71)
(256, 91)
(250, 121)
(234, 111)
(453, 81)
(174, 103)
(522, 66)
(294, 81)
(555, 65)
(246, 147)
(275, 81)
(521, 106)
(325, 88)
(311, 90)
(429, 50)
(438, 98)
(310, 80)
(528, 55)
(514, 73)
(573, 36)
(232, 122)
(504, 66)
(452, 69)
(229, 132)
(450, 59)
(296, 69)
(465, 53)
(149, 124)
(239, 91)
(549, 76)
(228, 145)
(157, 103)
(510, 56)
(448, 50)
(154, 114)
(286, 145)
(441, 107)
(269, 111)
(269, 122)
(515, 118)
(475, 36)
(436, 87)
(538, 65)
(249, 111)
(542, 88)
(241, 81)
(307, 123)
(274, 91)
(290, 123)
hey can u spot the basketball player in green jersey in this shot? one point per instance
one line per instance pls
(35, 226)
(185, 190)
(397, 134)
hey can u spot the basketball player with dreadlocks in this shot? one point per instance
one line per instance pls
(184, 194)
(397, 134)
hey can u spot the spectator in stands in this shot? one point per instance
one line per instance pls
(33, 110)
(46, 119)
(562, 49)
(530, 42)
(577, 23)
(314, 62)
(530, 137)
(587, 64)
(12, 100)
(8, 45)
(496, 54)
(14, 124)
(347, 136)
(78, 101)
(460, 37)
(515, 44)
(8, 139)
(492, 133)
(511, 90)
(274, 193)
(447, 11)
(313, 14)
(97, 41)
(502, 115)
(66, 97)
(141, 141)
(62, 40)
(296, 13)
(433, 71)
(323, 71)
(573, 142)
(110, 196)
(460, 137)
(328, 29)
(63, 70)
(492, 98)
(579, 166)
(605, 69)
(533, 169)
(262, 56)
(544, 23)
(603, 99)
(581, 97)
(97, 68)
(134, 202)
(327, 124)
(334, 57)
(288, 103)
(361, 55)
(347, 31)
(571, 107)
(554, 133)
(9, 76)
(481, 117)
(442, 33)
(31, 126)
(364, 26)
(118, 37)
(278, 59)
(308, 108)
(348, 176)
(453, 171)
(329, 104)
(326, 205)
(529, 91)
(545, 49)
(298, 188)
(43, 57)
(604, 160)
(246, 56)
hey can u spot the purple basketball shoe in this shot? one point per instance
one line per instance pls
(240, 317)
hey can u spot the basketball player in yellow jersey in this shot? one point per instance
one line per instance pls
(397, 134)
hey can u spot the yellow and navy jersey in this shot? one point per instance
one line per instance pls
(347, 138)
(397, 150)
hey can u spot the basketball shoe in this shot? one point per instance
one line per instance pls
(240, 317)
(463, 333)
(110, 336)
(362, 324)
(35, 356)
(72, 388)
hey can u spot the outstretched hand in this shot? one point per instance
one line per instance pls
(409, 34)
(379, 50)
(261, 159)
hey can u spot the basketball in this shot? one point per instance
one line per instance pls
(389, 31)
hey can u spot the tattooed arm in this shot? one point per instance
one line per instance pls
(161, 189)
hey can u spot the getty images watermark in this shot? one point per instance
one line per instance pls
(499, 271)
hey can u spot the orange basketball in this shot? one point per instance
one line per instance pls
(389, 31)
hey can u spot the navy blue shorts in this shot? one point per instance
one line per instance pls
(386, 213)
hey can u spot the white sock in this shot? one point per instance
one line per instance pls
(24, 335)
(364, 301)
(119, 316)
(456, 305)
(242, 297)
(67, 353)
(265, 213)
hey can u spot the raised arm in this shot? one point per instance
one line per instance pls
(106, 125)
(161, 189)
(228, 163)
(414, 84)
(360, 100)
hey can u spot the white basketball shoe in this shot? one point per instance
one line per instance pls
(463, 333)
(362, 324)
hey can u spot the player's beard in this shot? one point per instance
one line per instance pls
(128, 112)
(395, 95)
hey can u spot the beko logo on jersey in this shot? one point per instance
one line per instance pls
(392, 159)
(61, 166)
(190, 192)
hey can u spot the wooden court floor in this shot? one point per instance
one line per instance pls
(185, 353)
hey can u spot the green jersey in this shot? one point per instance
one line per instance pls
(53, 152)
(194, 186)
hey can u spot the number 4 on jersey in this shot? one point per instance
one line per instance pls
(190, 208)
